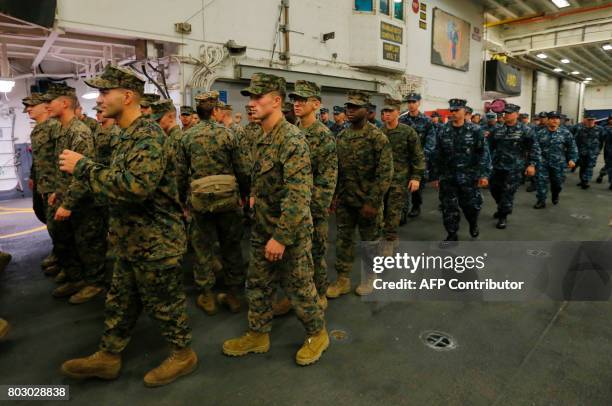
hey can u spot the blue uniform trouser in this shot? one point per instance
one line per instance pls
(546, 174)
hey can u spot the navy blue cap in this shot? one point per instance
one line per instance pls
(339, 109)
(324, 110)
(412, 97)
(372, 107)
(435, 114)
(512, 108)
(469, 110)
(456, 104)
(523, 115)
(589, 115)
(491, 116)
(553, 114)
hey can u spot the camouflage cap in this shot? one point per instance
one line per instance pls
(35, 99)
(220, 105)
(512, 108)
(305, 89)
(324, 110)
(456, 104)
(186, 110)
(210, 95)
(491, 116)
(412, 97)
(148, 99)
(161, 107)
(392, 104)
(358, 98)
(262, 83)
(287, 107)
(228, 107)
(116, 77)
(59, 89)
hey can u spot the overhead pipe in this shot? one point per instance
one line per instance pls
(544, 17)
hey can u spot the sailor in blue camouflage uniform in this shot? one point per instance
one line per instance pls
(460, 167)
(607, 147)
(324, 117)
(436, 120)
(340, 122)
(512, 145)
(427, 135)
(558, 152)
(372, 117)
(589, 138)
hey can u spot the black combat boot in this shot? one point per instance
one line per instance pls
(415, 212)
(501, 222)
(585, 185)
(540, 204)
(599, 179)
(474, 230)
(450, 241)
(496, 215)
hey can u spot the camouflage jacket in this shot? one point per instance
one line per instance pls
(408, 159)
(145, 213)
(247, 139)
(607, 140)
(324, 162)
(365, 166)
(424, 128)
(44, 160)
(91, 123)
(102, 140)
(589, 140)
(211, 149)
(77, 137)
(461, 154)
(512, 146)
(281, 182)
(558, 147)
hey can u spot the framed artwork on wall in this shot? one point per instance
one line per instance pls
(450, 41)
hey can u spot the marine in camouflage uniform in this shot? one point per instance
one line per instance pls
(408, 166)
(558, 152)
(324, 163)
(146, 236)
(589, 139)
(145, 103)
(461, 164)
(186, 119)
(211, 149)
(365, 171)
(427, 135)
(247, 139)
(281, 183)
(90, 122)
(80, 243)
(513, 148)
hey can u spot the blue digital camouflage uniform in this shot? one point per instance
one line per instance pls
(512, 149)
(461, 157)
(588, 141)
(557, 148)
(607, 147)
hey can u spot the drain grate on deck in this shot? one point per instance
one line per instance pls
(438, 340)
(538, 253)
(581, 216)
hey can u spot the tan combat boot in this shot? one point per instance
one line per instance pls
(4, 328)
(48, 261)
(102, 364)
(231, 300)
(281, 307)
(68, 289)
(52, 270)
(313, 348)
(181, 362)
(341, 286)
(366, 287)
(250, 342)
(86, 294)
(60, 277)
(322, 301)
(206, 301)
(5, 258)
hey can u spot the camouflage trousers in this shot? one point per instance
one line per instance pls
(347, 220)
(394, 204)
(295, 273)
(503, 186)
(80, 243)
(156, 286)
(206, 229)
(586, 164)
(319, 250)
(39, 205)
(454, 196)
(545, 175)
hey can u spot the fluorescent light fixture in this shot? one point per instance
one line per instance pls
(91, 95)
(561, 3)
(607, 47)
(575, 72)
(565, 60)
(589, 79)
(6, 85)
(542, 56)
(398, 1)
(558, 70)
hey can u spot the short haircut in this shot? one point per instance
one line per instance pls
(205, 109)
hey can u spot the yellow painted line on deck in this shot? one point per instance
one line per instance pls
(15, 209)
(30, 231)
(4, 213)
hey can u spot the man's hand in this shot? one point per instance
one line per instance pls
(435, 184)
(368, 211)
(483, 182)
(571, 164)
(30, 184)
(274, 250)
(62, 214)
(530, 171)
(68, 160)
(413, 186)
(52, 199)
